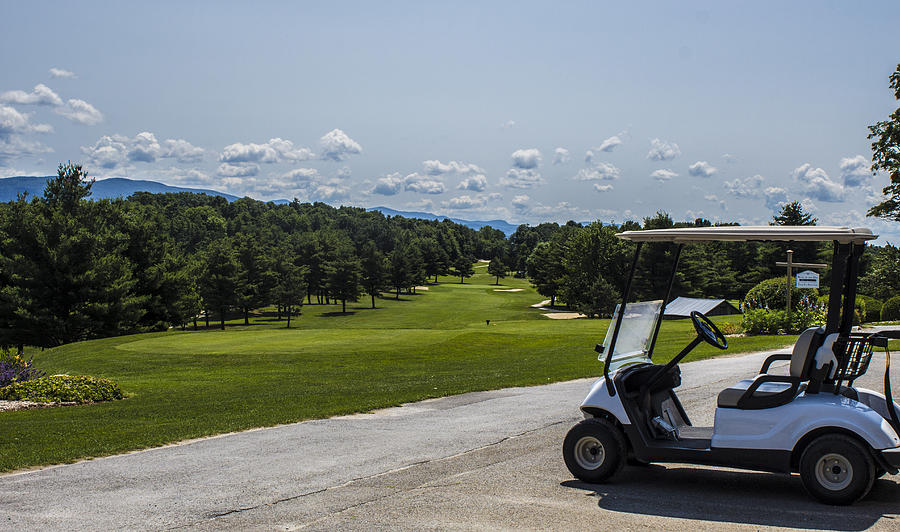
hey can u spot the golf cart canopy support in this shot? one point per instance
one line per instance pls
(849, 244)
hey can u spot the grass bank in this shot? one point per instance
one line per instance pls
(188, 384)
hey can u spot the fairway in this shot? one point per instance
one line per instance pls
(189, 384)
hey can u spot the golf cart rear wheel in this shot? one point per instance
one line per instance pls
(837, 469)
(594, 450)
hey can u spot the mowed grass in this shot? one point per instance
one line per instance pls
(188, 384)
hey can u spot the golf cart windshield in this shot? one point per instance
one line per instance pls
(635, 334)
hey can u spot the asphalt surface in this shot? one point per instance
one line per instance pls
(487, 460)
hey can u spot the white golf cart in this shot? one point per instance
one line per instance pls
(812, 421)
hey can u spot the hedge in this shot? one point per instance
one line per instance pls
(63, 389)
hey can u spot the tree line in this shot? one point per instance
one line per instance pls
(72, 268)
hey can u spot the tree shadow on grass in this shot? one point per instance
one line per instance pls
(338, 313)
(740, 497)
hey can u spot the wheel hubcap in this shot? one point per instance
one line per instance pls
(834, 472)
(589, 453)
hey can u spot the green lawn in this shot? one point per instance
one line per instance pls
(183, 385)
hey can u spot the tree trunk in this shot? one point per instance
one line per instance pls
(461, 280)
(287, 309)
(398, 292)
(207, 317)
(246, 316)
(435, 278)
(343, 306)
(373, 300)
(195, 323)
(222, 316)
(552, 300)
(279, 312)
(498, 280)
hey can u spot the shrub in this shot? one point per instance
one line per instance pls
(771, 295)
(891, 309)
(869, 308)
(731, 328)
(776, 321)
(14, 368)
(63, 388)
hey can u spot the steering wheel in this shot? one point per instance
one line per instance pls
(708, 331)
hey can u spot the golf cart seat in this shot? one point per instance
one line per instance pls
(768, 391)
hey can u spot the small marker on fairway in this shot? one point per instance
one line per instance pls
(488, 322)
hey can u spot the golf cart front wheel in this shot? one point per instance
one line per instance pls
(594, 450)
(837, 469)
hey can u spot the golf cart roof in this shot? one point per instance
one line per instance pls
(785, 233)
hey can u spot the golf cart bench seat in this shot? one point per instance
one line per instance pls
(769, 391)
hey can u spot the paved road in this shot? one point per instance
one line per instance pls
(488, 460)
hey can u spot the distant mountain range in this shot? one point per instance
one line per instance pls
(120, 187)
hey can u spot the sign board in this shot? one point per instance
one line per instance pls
(807, 279)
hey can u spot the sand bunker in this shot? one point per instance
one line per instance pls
(564, 315)
(422, 288)
(542, 304)
(508, 289)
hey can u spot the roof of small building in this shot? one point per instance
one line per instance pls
(683, 306)
(783, 233)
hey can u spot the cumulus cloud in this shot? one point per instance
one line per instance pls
(599, 171)
(817, 184)
(40, 95)
(422, 184)
(113, 150)
(714, 198)
(609, 144)
(748, 187)
(81, 112)
(434, 167)
(662, 151)
(238, 170)
(855, 171)
(274, 151)
(330, 193)
(475, 183)
(389, 185)
(526, 159)
(301, 176)
(520, 202)
(701, 169)
(776, 197)
(663, 174)
(602, 188)
(729, 158)
(12, 122)
(466, 202)
(62, 74)
(338, 146)
(521, 178)
(561, 156)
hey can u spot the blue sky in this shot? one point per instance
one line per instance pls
(521, 110)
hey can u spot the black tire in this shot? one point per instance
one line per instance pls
(594, 450)
(837, 469)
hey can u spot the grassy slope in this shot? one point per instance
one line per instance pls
(183, 385)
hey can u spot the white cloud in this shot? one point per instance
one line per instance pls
(466, 202)
(337, 146)
(422, 204)
(476, 183)
(330, 193)
(729, 158)
(662, 151)
(749, 187)
(238, 170)
(776, 197)
(81, 112)
(663, 174)
(62, 74)
(389, 185)
(526, 159)
(12, 122)
(434, 167)
(598, 171)
(817, 184)
(701, 169)
(274, 151)
(508, 124)
(422, 184)
(609, 144)
(561, 156)
(521, 178)
(113, 150)
(714, 198)
(301, 176)
(602, 188)
(855, 171)
(344, 173)
(520, 202)
(40, 95)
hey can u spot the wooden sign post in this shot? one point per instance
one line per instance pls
(791, 265)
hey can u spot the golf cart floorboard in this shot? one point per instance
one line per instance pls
(695, 433)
